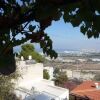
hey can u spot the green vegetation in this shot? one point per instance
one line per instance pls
(71, 97)
(46, 74)
(30, 18)
(7, 84)
(60, 77)
(28, 49)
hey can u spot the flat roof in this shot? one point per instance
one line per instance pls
(43, 90)
(49, 89)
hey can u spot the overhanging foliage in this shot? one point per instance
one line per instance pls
(16, 17)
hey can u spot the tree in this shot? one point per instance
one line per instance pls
(60, 77)
(46, 74)
(28, 49)
(16, 17)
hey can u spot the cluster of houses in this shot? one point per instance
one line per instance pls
(32, 86)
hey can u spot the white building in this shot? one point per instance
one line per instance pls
(79, 74)
(31, 84)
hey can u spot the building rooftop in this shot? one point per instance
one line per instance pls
(87, 89)
(43, 90)
(43, 86)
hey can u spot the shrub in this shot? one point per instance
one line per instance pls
(46, 74)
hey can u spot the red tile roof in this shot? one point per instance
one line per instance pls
(87, 88)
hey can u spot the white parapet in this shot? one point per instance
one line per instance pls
(30, 74)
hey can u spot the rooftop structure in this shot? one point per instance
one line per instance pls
(48, 92)
(88, 90)
(43, 90)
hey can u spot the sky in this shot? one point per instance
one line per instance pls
(67, 37)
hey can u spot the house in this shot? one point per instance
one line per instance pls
(79, 74)
(88, 90)
(31, 84)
